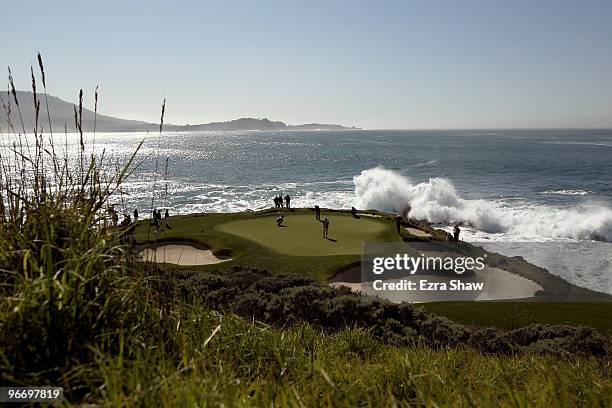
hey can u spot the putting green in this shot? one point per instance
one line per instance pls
(302, 235)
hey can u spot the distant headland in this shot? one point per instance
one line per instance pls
(62, 114)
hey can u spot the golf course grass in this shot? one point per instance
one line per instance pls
(512, 315)
(302, 235)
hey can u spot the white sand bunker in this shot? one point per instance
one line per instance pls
(497, 285)
(180, 254)
(417, 232)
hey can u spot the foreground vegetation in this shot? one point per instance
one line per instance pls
(251, 364)
(175, 353)
(78, 311)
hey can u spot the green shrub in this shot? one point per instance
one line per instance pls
(287, 299)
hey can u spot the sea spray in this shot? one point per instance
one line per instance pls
(438, 202)
(383, 189)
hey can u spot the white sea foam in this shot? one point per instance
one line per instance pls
(584, 263)
(602, 144)
(428, 163)
(565, 192)
(438, 201)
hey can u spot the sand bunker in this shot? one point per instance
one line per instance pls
(417, 232)
(180, 254)
(498, 285)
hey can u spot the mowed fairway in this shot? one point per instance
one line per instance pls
(302, 235)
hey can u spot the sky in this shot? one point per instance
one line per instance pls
(372, 64)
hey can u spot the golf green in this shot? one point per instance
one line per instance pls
(302, 235)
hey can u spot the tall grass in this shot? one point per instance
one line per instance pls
(254, 365)
(68, 284)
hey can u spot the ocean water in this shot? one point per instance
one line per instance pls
(505, 186)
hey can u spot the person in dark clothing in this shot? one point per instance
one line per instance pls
(157, 220)
(154, 216)
(325, 223)
(288, 202)
(456, 232)
(135, 214)
(317, 212)
(398, 223)
(167, 218)
(275, 201)
(354, 212)
(279, 220)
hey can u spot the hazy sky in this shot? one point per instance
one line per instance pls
(375, 64)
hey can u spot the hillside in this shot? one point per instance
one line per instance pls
(62, 114)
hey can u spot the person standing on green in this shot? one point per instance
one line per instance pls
(325, 223)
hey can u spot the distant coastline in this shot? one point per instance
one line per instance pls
(62, 113)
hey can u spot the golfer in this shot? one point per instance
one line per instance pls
(398, 223)
(325, 223)
(456, 232)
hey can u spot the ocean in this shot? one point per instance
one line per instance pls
(505, 186)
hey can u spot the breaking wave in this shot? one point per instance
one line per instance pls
(438, 202)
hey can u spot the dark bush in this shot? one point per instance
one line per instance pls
(274, 284)
(286, 299)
